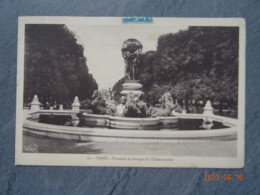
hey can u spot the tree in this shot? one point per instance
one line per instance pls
(200, 63)
(55, 67)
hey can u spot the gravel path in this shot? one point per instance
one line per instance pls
(211, 148)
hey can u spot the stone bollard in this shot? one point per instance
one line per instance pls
(208, 109)
(35, 105)
(61, 107)
(76, 104)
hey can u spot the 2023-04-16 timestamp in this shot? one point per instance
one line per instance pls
(225, 177)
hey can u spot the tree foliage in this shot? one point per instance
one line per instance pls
(203, 61)
(196, 64)
(55, 67)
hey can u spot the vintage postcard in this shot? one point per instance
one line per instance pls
(131, 91)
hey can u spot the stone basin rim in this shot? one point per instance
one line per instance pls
(129, 135)
(227, 121)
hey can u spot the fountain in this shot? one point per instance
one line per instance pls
(131, 120)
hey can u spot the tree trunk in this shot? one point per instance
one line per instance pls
(196, 107)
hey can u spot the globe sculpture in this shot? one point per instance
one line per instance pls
(131, 52)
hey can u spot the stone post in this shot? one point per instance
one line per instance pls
(208, 109)
(35, 105)
(61, 107)
(76, 104)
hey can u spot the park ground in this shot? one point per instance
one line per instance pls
(212, 148)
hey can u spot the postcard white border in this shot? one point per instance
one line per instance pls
(58, 159)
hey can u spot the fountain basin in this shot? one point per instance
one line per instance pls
(92, 120)
(131, 131)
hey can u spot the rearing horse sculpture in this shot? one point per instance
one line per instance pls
(167, 106)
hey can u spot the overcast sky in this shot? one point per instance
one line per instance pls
(102, 46)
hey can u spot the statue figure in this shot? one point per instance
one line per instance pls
(131, 110)
(131, 52)
(120, 109)
(132, 106)
(166, 108)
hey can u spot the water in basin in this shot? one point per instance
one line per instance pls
(181, 124)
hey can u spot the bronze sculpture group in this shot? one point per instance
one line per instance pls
(131, 52)
(131, 106)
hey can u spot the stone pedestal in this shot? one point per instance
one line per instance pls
(35, 105)
(132, 87)
(76, 105)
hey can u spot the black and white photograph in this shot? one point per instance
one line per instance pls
(131, 91)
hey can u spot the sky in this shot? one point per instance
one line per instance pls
(102, 46)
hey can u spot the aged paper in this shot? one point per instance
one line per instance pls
(131, 91)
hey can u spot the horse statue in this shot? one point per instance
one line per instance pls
(110, 108)
(142, 106)
(98, 104)
(167, 106)
(135, 106)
